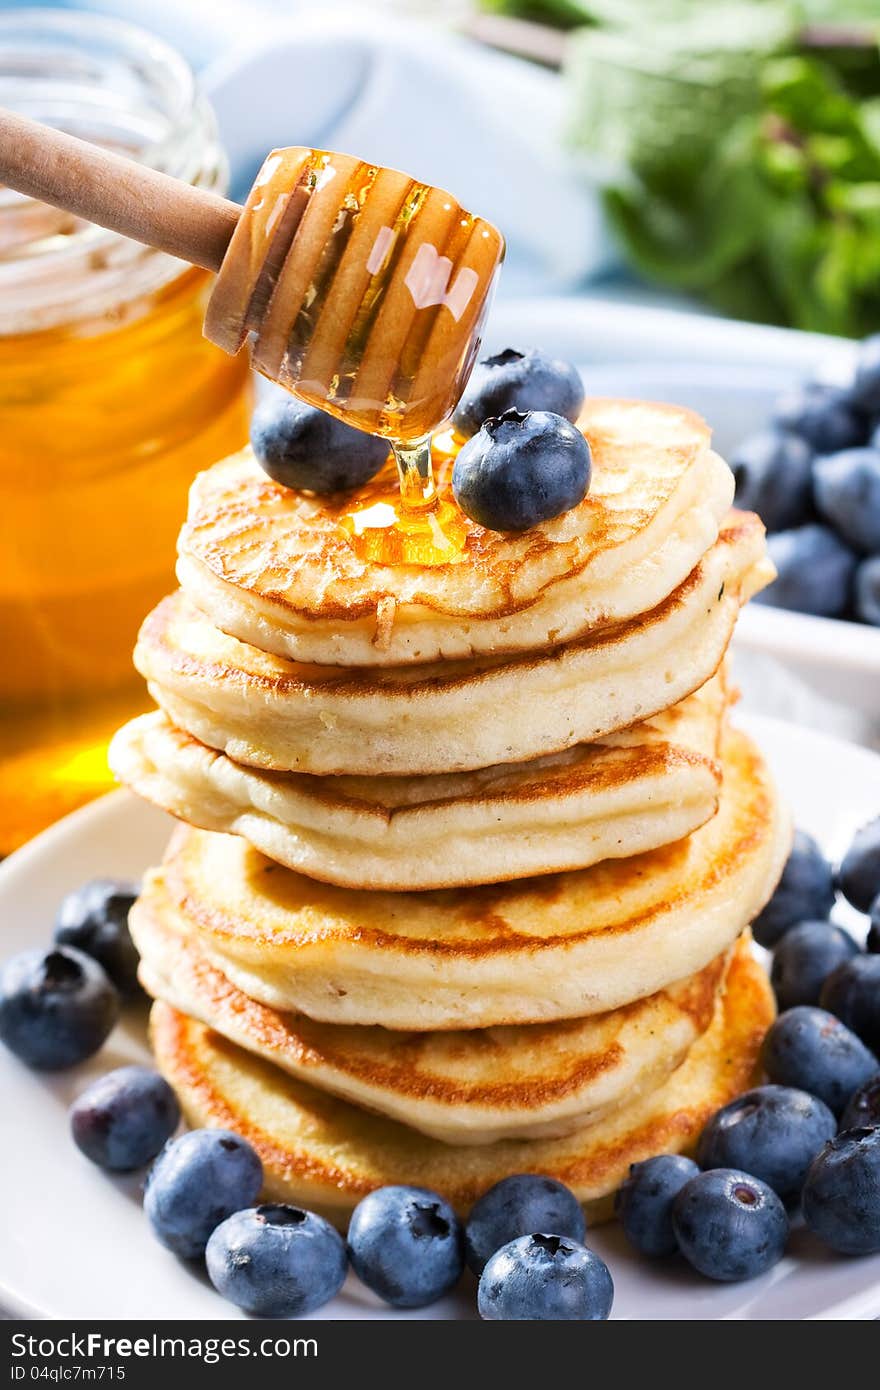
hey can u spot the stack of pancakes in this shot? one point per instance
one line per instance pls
(469, 851)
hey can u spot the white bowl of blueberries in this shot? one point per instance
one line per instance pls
(806, 458)
(813, 475)
(797, 416)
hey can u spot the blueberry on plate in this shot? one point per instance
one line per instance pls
(516, 1206)
(643, 1203)
(852, 994)
(729, 1225)
(804, 892)
(94, 919)
(514, 380)
(302, 447)
(841, 1199)
(865, 390)
(846, 487)
(545, 1278)
(776, 1130)
(867, 591)
(774, 477)
(863, 1109)
(276, 1261)
(858, 877)
(196, 1182)
(822, 415)
(814, 572)
(123, 1119)
(405, 1243)
(522, 469)
(812, 1050)
(56, 1007)
(804, 959)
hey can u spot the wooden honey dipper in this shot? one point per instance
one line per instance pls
(363, 290)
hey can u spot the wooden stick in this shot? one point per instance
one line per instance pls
(838, 36)
(524, 38)
(545, 44)
(118, 193)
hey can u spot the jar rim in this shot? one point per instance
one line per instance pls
(106, 79)
(121, 34)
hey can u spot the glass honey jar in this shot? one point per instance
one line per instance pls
(110, 401)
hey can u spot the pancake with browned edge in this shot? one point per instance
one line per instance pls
(560, 946)
(629, 793)
(325, 1154)
(462, 1087)
(267, 712)
(276, 568)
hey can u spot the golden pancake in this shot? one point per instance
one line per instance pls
(275, 567)
(562, 946)
(461, 1087)
(267, 712)
(637, 789)
(325, 1154)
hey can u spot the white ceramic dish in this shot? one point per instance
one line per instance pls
(731, 374)
(75, 1243)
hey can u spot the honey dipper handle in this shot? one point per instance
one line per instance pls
(117, 193)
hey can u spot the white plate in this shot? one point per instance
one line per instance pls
(75, 1244)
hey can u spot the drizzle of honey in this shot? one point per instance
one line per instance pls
(408, 521)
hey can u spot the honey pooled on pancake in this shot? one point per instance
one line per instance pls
(273, 566)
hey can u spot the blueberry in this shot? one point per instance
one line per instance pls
(804, 959)
(94, 919)
(302, 447)
(773, 475)
(56, 1007)
(814, 572)
(868, 591)
(852, 994)
(841, 1198)
(822, 415)
(405, 1243)
(858, 877)
(516, 1206)
(776, 1130)
(872, 942)
(276, 1261)
(522, 469)
(196, 1182)
(729, 1225)
(847, 491)
(513, 380)
(804, 892)
(644, 1202)
(865, 390)
(545, 1278)
(811, 1049)
(122, 1120)
(863, 1110)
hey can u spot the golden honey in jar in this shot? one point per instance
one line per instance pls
(110, 401)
